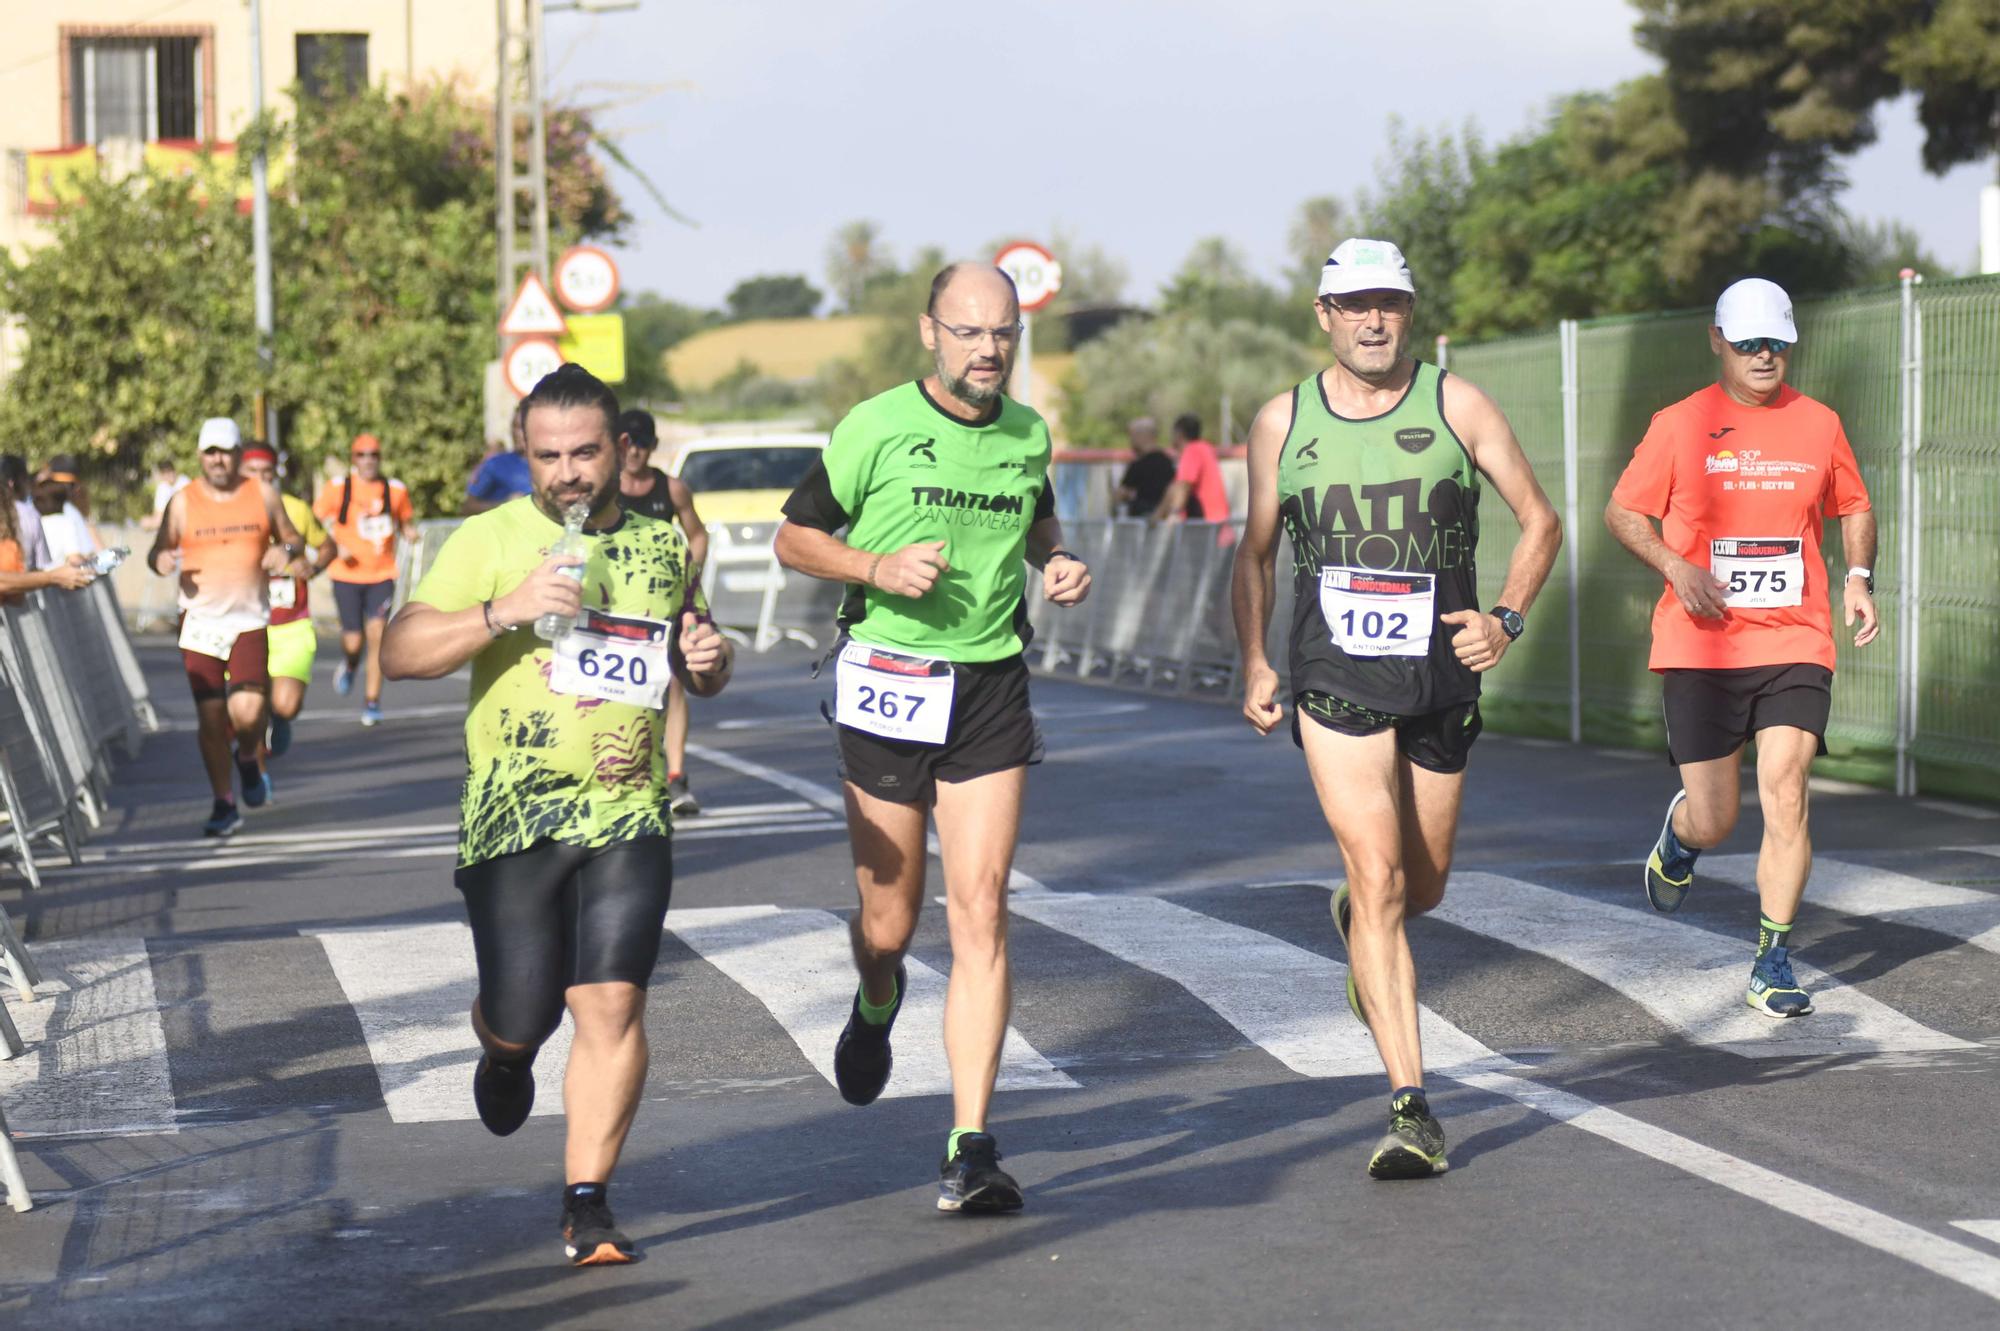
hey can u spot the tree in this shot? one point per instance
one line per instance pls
(892, 353)
(138, 315)
(654, 325)
(1430, 177)
(855, 261)
(781, 296)
(1162, 367)
(1215, 284)
(1953, 65)
(1319, 224)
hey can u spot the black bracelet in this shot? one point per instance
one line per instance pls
(1054, 555)
(492, 630)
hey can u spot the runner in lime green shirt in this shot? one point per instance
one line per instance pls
(565, 860)
(942, 489)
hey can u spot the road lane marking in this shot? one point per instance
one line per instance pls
(1689, 978)
(1964, 913)
(826, 798)
(411, 987)
(798, 965)
(1985, 1229)
(96, 1060)
(1290, 1002)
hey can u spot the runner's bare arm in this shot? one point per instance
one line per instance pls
(703, 658)
(285, 537)
(1252, 589)
(1064, 581)
(1173, 504)
(910, 571)
(168, 537)
(1497, 453)
(691, 523)
(424, 642)
(1857, 542)
(1699, 592)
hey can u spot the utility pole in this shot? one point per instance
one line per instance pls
(519, 79)
(260, 233)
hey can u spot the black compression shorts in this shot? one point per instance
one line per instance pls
(552, 915)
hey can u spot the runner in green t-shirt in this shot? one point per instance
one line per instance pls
(942, 487)
(564, 854)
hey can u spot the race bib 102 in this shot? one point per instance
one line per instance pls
(896, 696)
(617, 658)
(1375, 613)
(1760, 572)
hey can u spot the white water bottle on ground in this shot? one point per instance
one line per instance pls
(553, 627)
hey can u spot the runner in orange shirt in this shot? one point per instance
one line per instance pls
(365, 513)
(223, 536)
(1743, 475)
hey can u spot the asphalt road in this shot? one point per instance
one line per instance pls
(247, 1105)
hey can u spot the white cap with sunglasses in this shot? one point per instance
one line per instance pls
(1755, 308)
(1365, 265)
(220, 432)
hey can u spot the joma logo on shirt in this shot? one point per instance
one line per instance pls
(937, 496)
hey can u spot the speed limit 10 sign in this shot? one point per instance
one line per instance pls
(1037, 276)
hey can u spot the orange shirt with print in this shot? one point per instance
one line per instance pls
(1713, 469)
(223, 540)
(376, 513)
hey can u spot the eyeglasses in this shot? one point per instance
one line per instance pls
(1750, 346)
(1004, 335)
(1359, 307)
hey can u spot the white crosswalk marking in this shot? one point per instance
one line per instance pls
(1689, 978)
(1289, 1001)
(412, 988)
(797, 964)
(1856, 889)
(96, 1059)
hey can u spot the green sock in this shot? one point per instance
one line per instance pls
(1771, 934)
(951, 1142)
(873, 1015)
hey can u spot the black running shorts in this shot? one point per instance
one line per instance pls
(360, 602)
(1711, 713)
(992, 729)
(552, 915)
(1439, 741)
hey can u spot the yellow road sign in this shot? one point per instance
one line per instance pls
(597, 343)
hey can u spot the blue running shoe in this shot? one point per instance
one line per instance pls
(223, 820)
(256, 794)
(1774, 990)
(1669, 876)
(343, 679)
(371, 714)
(281, 736)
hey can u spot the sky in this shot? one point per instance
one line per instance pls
(1135, 127)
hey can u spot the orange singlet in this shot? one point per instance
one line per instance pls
(222, 547)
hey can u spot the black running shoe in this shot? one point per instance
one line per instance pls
(861, 1057)
(591, 1237)
(1414, 1146)
(973, 1181)
(504, 1093)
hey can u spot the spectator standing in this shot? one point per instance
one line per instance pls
(1197, 493)
(1150, 472)
(503, 476)
(15, 577)
(16, 487)
(167, 482)
(64, 524)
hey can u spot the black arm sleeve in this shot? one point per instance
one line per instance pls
(1045, 502)
(812, 504)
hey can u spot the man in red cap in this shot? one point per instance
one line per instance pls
(365, 514)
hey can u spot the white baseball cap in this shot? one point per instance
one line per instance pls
(1754, 307)
(220, 432)
(1365, 265)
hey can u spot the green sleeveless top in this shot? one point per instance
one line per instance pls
(1383, 516)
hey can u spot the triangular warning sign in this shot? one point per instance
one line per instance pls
(532, 312)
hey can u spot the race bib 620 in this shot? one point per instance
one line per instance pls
(617, 658)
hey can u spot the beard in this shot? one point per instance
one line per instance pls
(556, 504)
(979, 395)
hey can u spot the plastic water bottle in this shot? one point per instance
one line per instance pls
(110, 557)
(553, 627)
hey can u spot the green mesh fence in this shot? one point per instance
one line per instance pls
(1851, 356)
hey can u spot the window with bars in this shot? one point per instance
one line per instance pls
(332, 63)
(143, 88)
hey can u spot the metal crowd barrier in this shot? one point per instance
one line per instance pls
(70, 685)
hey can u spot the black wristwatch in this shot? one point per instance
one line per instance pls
(1510, 621)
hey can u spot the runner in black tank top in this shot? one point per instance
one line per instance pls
(1375, 467)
